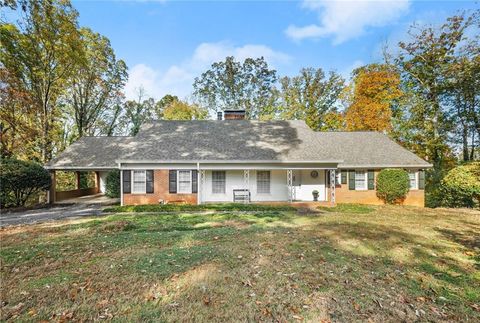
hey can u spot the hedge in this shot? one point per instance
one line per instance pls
(461, 186)
(392, 185)
(112, 185)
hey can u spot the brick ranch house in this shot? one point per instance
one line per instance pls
(242, 161)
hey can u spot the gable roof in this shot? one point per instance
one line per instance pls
(237, 140)
(226, 140)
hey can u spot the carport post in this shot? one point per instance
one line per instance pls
(97, 182)
(77, 174)
(53, 187)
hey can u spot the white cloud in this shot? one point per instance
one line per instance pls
(345, 20)
(178, 79)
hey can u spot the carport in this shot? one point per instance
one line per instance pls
(97, 155)
(55, 196)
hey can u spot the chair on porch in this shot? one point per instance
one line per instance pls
(241, 196)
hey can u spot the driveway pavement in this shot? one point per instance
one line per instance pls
(74, 208)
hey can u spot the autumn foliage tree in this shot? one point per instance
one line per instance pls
(375, 89)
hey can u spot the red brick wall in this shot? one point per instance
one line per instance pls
(344, 195)
(160, 192)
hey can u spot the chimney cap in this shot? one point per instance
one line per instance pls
(234, 114)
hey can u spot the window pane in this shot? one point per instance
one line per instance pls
(218, 182)
(263, 181)
(413, 180)
(360, 180)
(139, 180)
(184, 181)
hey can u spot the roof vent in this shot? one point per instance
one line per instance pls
(234, 114)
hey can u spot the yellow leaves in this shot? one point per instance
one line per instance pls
(375, 89)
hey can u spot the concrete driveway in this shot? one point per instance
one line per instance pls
(73, 208)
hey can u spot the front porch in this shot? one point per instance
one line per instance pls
(268, 185)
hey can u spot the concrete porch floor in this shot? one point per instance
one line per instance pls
(99, 199)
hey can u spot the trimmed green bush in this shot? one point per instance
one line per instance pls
(19, 180)
(392, 185)
(112, 185)
(461, 186)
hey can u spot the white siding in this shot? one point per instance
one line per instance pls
(304, 184)
(235, 180)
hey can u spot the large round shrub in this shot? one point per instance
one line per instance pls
(461, 186)
(19, 180)
(392, 185)
(112, 186)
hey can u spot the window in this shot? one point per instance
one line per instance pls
(184, 181)
(360, 180)
(139, 182)
(412, 175)
(263, 182)
(218, 182)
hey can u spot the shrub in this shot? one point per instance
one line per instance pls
(461, 186)
(20, 180)
(392, 185)
(112, 186)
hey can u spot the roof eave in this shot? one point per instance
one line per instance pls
(233, 161)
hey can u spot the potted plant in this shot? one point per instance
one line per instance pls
(315, 195)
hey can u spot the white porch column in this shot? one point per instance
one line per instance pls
(246, 182)
(121, 185)
(333, 181)
(290, 185)
(201, 173)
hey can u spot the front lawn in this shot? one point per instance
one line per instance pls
(349, 263)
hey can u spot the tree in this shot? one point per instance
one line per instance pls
(376, 88)
(463, 98)
(96, 84)
(424, 62)
(248, 86)
(311, 96)
(42, 54)
(165, 101)
(137, 112)
(18, 130)
(180, 110)
(21, 180)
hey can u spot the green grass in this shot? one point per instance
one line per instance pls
(269, 264)
(349, 208)
(194, 207)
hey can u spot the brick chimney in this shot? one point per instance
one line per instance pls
(234, 114)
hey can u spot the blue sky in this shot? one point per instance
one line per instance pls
(168, 43)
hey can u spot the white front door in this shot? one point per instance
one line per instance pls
(306, 181)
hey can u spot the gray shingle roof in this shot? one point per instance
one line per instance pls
(238, 140)
(91, 152)
(226, 140)
(367, 149)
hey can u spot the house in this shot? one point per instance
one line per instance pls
(242, 160)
